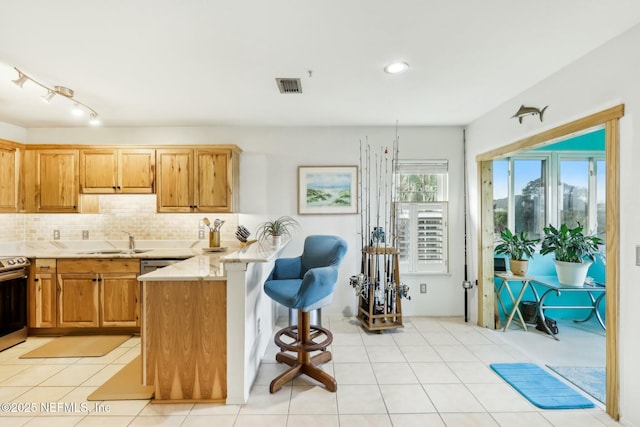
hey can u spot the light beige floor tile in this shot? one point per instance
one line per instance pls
(499, 397)
(360, 399)
(73, 375)
(312, 400)
(261, 401)
(406, 399)
(521, 419)
(452, 398)
(209, 421)
(385, 354)
(33, 376)
(470, 420)
(419, 353)
(53, 421)
(350, 354)
(102, 375)
(491, 353)
(245, 420)
(79, 395)
(354, 373)
(416, 420)
(433, 373)
(15, 421)
(8, 371)
(470, 336)
(376, 339)
(7, 394)
(110, 357)
(105, 421)
(123, 407)
(394, 373)
(571, 418)
(474, 372)
(268, 371)
(360, 420)
(409, 338)
(200, 409)
(455, 353)
(427, 324)
(440, 338)
(128, 356)
(313, 420)
(158, 420)
(347, 338)
(169, 409)
(43, 394)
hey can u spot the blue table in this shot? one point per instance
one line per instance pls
(596, 293)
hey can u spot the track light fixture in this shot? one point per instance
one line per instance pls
(65, 92)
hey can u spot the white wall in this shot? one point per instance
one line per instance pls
(268, 182)
(12, 133)
(606, 77)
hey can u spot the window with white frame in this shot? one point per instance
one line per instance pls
(533, 190)
(421, 196)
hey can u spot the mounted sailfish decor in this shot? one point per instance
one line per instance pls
(526, 111)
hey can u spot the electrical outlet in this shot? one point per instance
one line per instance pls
(56, 234)
(201, 233)
(85, 234)
(423, 288)
(637, 255)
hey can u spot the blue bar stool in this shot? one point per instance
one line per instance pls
(306, 283)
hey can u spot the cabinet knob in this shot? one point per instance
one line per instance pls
(36, 279)
(114, 187)
(118, 187)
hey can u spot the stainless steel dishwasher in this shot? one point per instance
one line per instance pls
(149, 265)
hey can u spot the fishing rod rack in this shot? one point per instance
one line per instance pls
(380, 298)
(378, 286)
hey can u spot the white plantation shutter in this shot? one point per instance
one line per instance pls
(422, 236)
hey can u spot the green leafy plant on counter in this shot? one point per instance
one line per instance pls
(282, 226)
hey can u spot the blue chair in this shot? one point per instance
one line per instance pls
(306, 283)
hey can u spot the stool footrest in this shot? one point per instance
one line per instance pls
(297, 345)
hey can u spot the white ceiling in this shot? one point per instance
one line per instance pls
(214, 63)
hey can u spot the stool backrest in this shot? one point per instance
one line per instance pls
(322, 251)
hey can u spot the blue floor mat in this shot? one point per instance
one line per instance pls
(540, 387)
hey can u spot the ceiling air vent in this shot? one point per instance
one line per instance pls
(289, 85)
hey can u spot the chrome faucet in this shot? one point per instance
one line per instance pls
(132, 240)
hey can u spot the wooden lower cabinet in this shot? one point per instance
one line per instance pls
(184, 340)
(42, 294)
(78, 300)
(98, 292)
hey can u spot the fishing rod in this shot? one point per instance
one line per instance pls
(466, 284)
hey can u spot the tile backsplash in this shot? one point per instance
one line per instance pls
(135, 214)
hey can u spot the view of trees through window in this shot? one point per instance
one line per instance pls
(524, 199)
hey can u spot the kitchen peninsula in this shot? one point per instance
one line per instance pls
(206, 324)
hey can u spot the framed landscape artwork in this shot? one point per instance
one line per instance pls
(327, 190)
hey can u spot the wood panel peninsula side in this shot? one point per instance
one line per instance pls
(206, 323)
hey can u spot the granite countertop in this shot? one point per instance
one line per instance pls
(200, 262)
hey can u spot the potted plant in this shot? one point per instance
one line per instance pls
(574, 252)
(519, 248)
(277, 228)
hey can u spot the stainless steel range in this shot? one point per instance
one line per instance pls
(13, 301)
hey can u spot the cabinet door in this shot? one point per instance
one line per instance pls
(175, 180)
(136, 171)
(42, 295)
(8, 180)
(119, 300)
(213, 181)
(78, 299)
(98, 171)
(57, 181)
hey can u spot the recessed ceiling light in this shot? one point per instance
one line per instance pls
(396, 68)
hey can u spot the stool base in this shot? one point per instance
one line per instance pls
(303, 345)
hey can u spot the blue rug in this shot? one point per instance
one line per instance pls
(540, 387)
(591, 380)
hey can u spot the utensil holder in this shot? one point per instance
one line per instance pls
(214, 239)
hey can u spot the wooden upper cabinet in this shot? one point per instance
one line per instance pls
(175, 180)
(213, 181)
(111, 171)
(57, 181)
(196, 180)
(8, 180)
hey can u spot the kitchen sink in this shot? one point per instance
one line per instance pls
(115, 252)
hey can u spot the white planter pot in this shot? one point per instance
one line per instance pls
(572, 273)
(276, 240)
